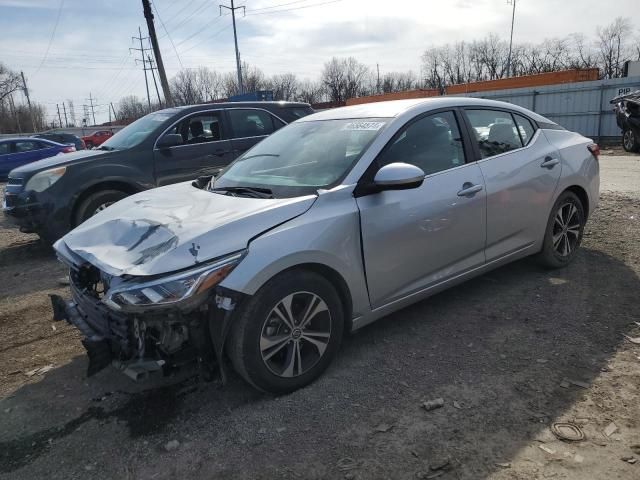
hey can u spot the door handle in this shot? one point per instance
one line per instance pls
(550, 162)
(469, 189)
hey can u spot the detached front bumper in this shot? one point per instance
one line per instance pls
(144, 343)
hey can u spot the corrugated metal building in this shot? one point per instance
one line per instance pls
(583, 106)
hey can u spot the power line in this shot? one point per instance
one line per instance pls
(277, 6)
(187, 18)
(142, 51)
(170, 39)
(53, 34)
(294, 8)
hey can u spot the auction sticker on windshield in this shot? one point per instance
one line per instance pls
(363, 126)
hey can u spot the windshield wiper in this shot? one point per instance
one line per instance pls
(255, 192)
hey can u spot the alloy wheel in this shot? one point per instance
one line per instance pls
(629, 140)
(102, 206)
(295, 334)
(566, 229)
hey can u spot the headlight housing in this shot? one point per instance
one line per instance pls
(43, 180)
(172, 289)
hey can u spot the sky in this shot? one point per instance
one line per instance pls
(74, 49)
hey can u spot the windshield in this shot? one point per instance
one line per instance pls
(135, 133)
(302, 157)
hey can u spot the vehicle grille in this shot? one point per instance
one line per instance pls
(14, 181)
(9, 200)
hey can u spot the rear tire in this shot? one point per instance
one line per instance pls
(630, 141)
(96, 202)
(269, 354)
(564, 231)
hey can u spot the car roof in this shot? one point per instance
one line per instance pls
(395, 108)
(261, 104)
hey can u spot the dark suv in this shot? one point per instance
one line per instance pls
(52, 196)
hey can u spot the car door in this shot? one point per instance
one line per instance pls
(45, 150)
(249, 126)
(5, 159)
(26, 151)
(205, 148)
(414, 239)
(521, 170)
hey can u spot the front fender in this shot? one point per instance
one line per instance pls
(327, 235)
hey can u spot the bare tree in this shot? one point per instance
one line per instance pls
(10, 81)
(284, 86)
(344, 78)
(613, 48)
(311, 91)
(131, 108)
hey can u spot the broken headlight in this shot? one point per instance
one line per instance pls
(173, 288)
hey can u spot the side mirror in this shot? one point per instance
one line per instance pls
(202, 181)
(398, 176)
(170, 140)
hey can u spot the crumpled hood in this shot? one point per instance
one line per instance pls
(172, 228)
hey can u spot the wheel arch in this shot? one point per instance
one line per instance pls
(114, 184)
(582, 194)
(336, 279)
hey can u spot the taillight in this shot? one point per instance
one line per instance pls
(68, 149)
(594, 148)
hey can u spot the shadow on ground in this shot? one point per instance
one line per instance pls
(498, 346)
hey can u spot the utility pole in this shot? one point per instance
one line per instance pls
(148, 15)
(233, 9)
(91, 105)
(378, 83)
(15, 114)
(115, 117)
(142, 51)
(66, 122)
(152, 68)
(59, 117)
(26, 94)
(513, 17)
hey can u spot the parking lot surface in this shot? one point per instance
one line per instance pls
(510, 353)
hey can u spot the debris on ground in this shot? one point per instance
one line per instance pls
(503, 465)
(346, 463)
(457, 405)
(567, 431)
(39, 370)
(629, 459)
(433, 404)
(579, 383)
(544, 448)
(610, 429)
(171, 445)
(440, 464)
(635, 448)
(383, 427)
(565, 384)
(635, 340)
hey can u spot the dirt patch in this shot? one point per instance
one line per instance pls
(510, 353)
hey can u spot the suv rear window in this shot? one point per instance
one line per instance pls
(252, 123)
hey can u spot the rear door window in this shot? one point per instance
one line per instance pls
(4, 148)
(495, 131)
(525, 128)
(27, 146)
(252, 123)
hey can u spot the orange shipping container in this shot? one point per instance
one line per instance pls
(538, 80)
(422, 93)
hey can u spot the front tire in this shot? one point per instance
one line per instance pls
(630, 141)
(97, 202)
(564, 231)
(288, 333)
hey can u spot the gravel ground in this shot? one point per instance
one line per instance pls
(510, 353)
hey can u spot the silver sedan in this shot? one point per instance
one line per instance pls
(331, 223)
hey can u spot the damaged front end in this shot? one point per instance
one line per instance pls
(143, 325)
